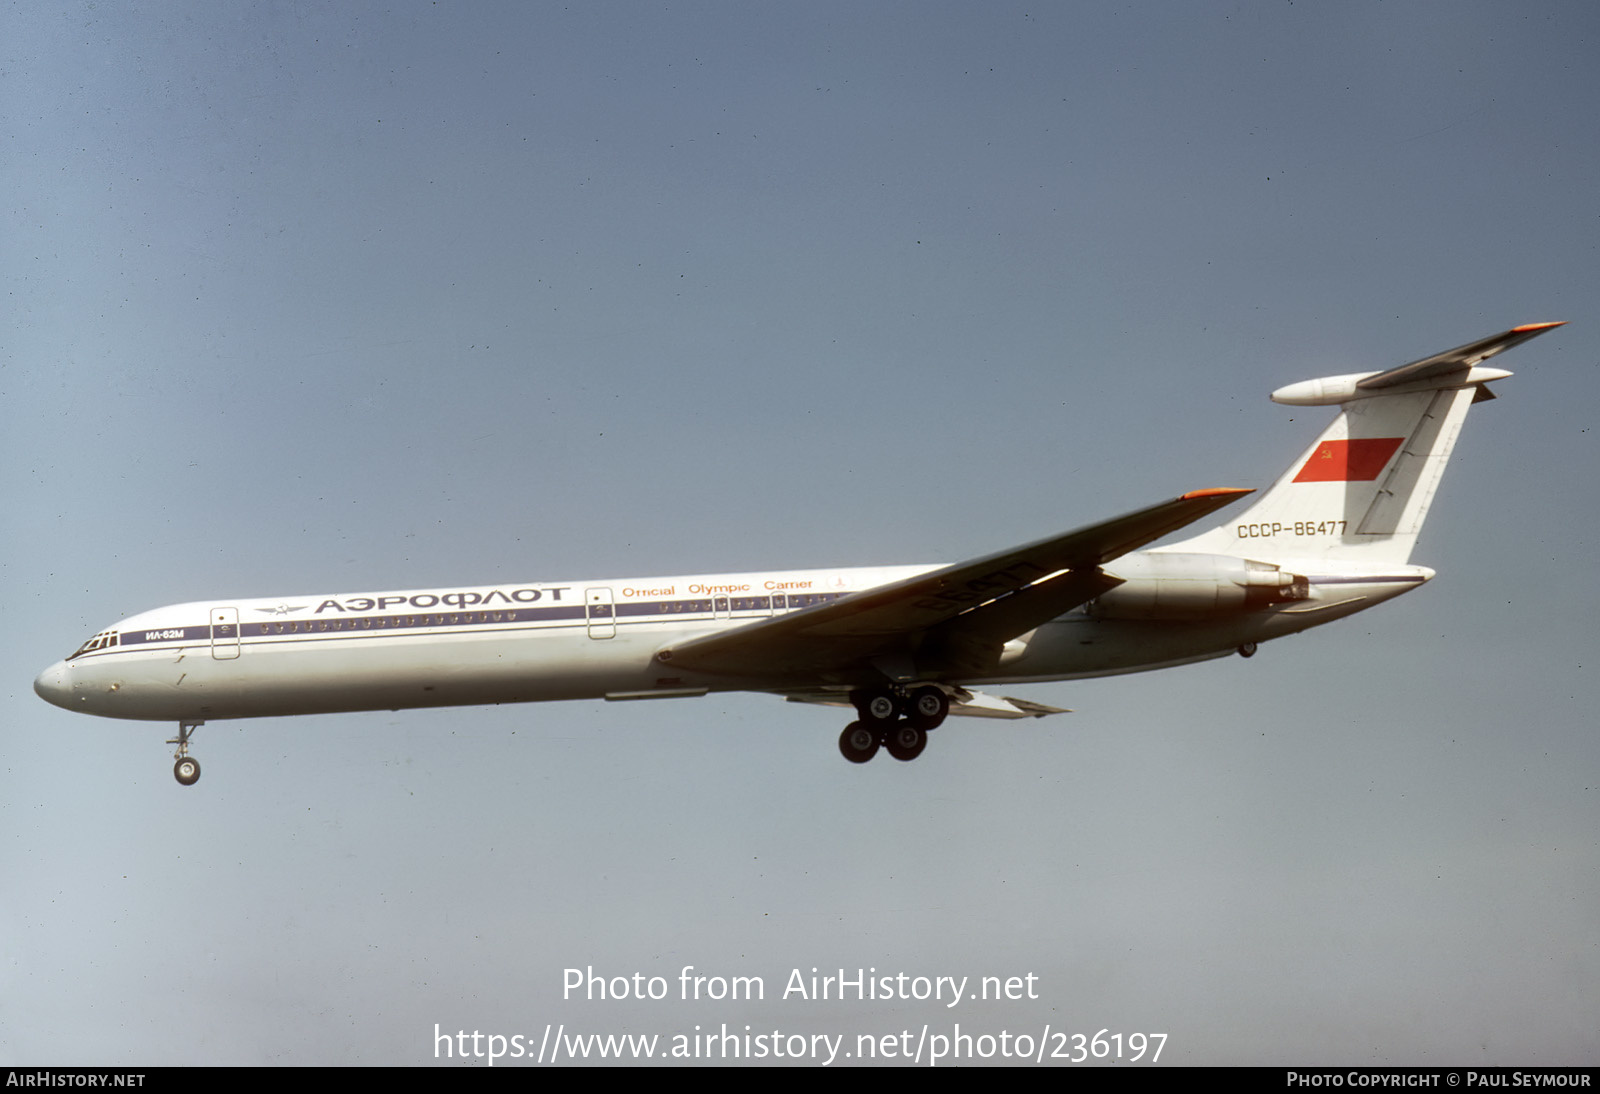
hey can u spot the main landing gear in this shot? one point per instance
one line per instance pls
(896, 720)
(187, 769)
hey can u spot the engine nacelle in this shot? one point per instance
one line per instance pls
(1185, 586)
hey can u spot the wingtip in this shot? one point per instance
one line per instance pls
(1217, 492)
(1529, 327)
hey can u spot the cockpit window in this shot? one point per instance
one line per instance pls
(98, 642)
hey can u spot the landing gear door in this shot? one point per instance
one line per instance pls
(224, 633)
(601, 612)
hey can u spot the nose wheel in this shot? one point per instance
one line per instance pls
(187, 769)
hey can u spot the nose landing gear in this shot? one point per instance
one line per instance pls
(187, 768)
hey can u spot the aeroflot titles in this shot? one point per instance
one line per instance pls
(469, 598)
(463, 599)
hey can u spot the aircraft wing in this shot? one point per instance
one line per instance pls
(962, 612)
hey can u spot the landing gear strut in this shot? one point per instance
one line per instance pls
(187, 769)
(893, 719)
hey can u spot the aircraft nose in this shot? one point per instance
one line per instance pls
(54, 685)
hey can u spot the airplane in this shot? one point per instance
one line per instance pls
(904, 646)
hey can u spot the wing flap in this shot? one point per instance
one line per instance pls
(886, 620)
(965, 704)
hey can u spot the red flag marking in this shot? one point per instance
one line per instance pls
(1356, 460)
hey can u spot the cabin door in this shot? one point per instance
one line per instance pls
(601, 612)
(224, 633)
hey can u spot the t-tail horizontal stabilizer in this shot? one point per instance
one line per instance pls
(1452, 368)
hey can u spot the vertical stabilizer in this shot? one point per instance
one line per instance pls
(1361, 491)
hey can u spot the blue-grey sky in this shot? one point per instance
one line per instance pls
(307, 298)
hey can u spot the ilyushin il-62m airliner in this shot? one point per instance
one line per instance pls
(904, 646)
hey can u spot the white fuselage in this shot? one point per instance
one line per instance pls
(903, 646)
(511, 643)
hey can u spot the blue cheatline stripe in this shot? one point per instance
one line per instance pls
(452, 622)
